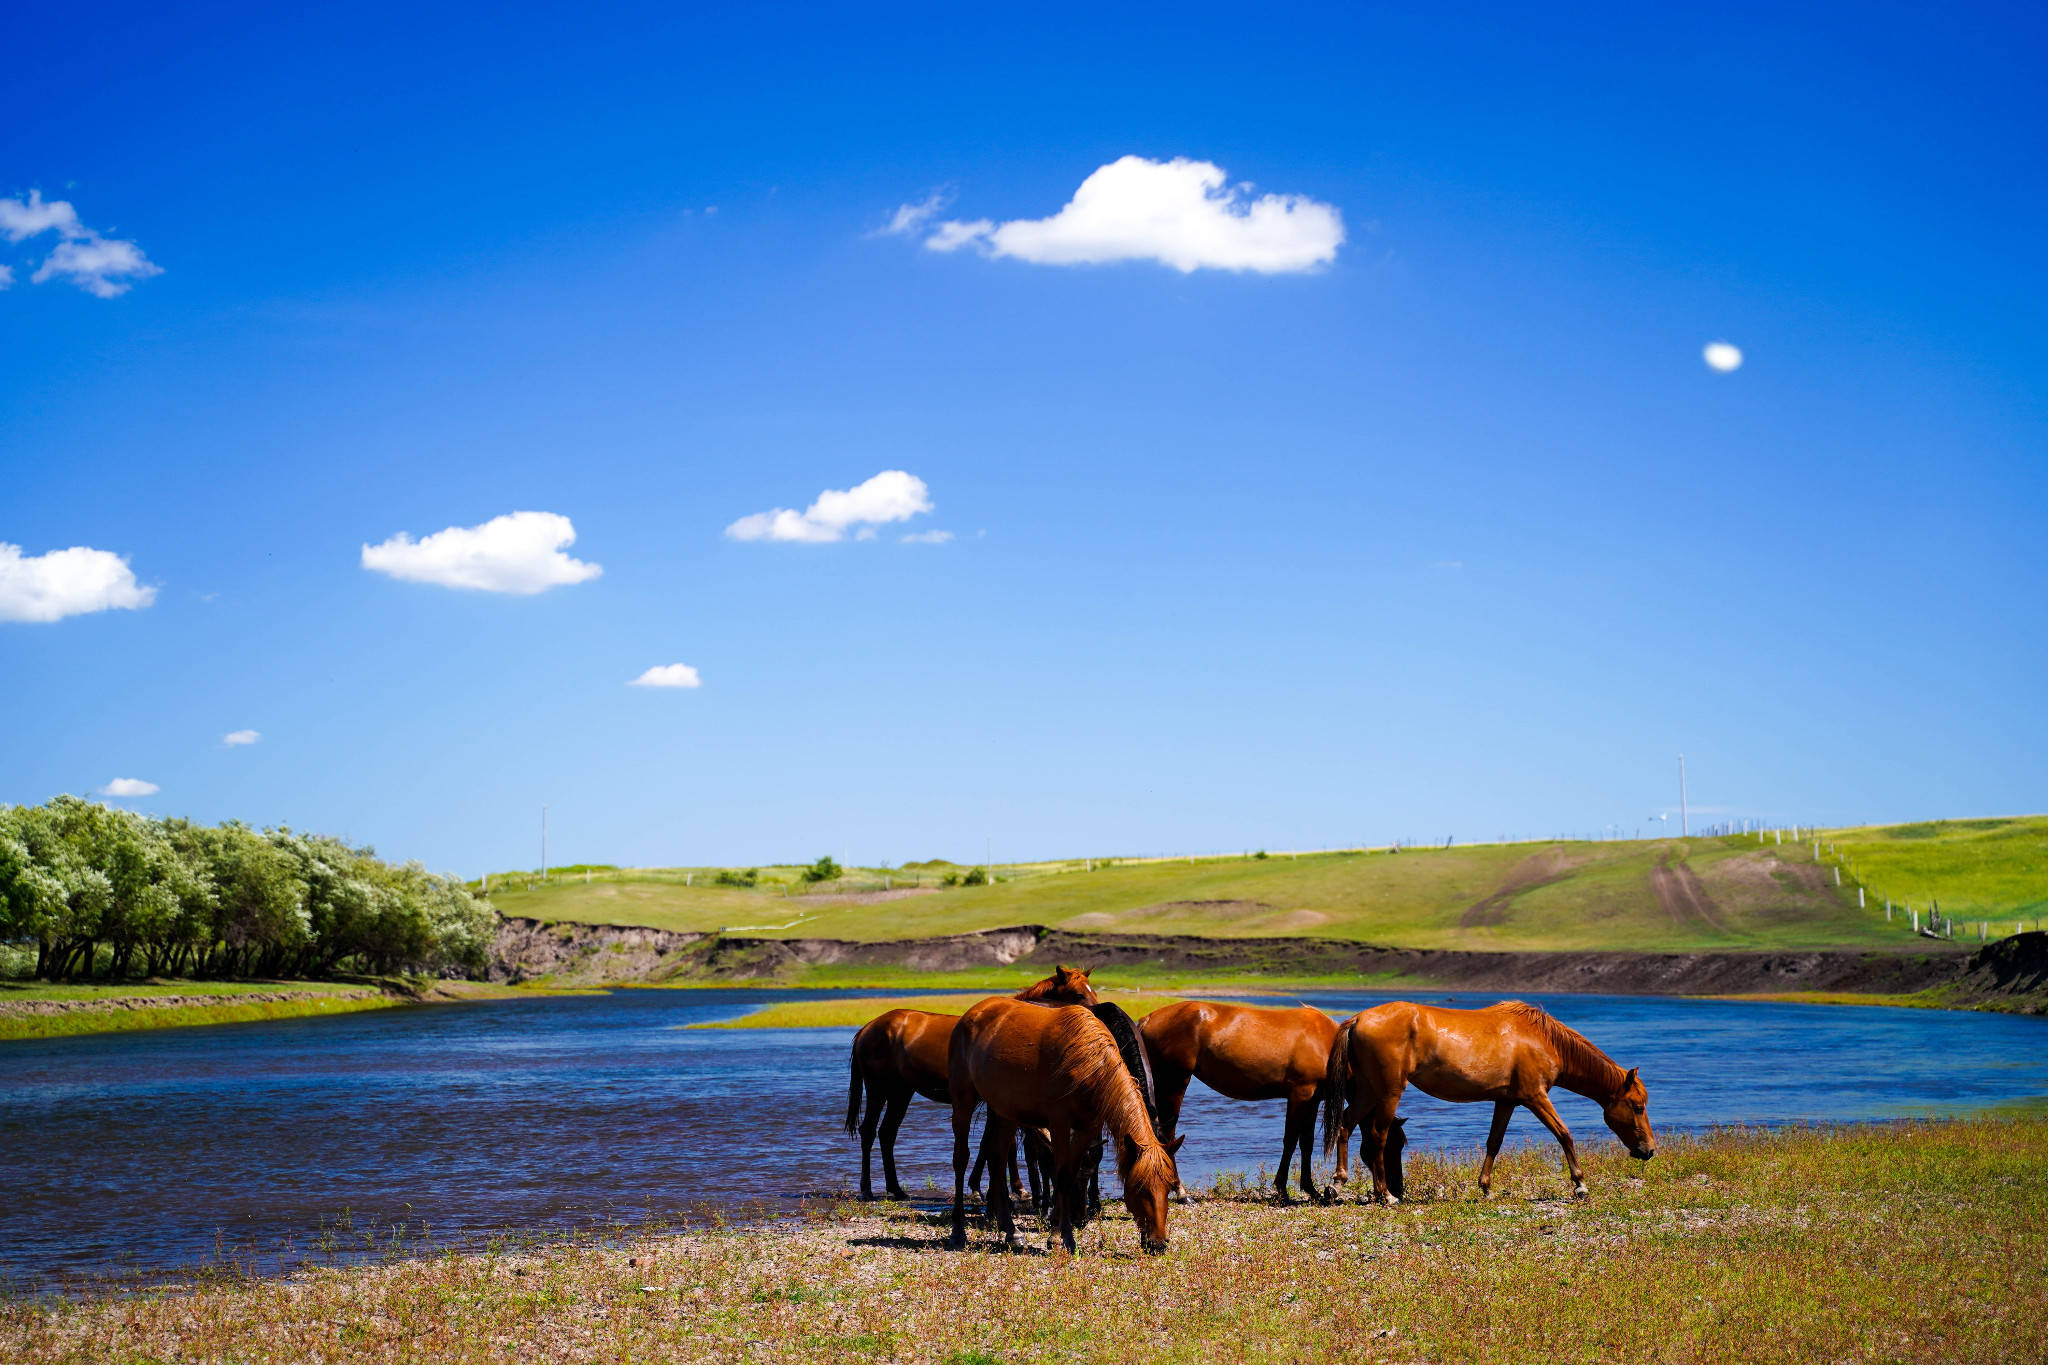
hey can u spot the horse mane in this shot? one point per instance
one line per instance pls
(1130, 1046)
(1582, 1061)
(1092, 1066)
(1038, 992)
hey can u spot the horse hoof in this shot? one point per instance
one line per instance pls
(1579, 1192)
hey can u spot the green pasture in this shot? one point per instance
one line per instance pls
(1648, 895)
(1978, 869)
(841, 1012)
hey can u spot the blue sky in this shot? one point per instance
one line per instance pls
(1443, 529)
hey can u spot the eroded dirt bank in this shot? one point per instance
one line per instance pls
(2011, 972)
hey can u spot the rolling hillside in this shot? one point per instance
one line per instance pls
(1651, 895)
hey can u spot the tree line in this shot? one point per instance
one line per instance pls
(97, 891)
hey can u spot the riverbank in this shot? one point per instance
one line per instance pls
(41, 1010)
(2011, 974)
(1906, 1241)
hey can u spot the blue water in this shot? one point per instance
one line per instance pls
(132, 1152)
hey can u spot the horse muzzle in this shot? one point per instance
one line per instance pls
(1642, 1153)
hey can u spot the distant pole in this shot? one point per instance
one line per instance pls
(988, 859)
(543, 843)
(1681, 797)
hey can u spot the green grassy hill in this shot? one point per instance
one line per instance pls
(1664, 894)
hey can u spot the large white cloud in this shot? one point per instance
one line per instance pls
(891, 495)
(1181, 213)
(130, 786)
(50, 587)
(100, 265)
(519, 553)
(1722, 356)
(668, 675)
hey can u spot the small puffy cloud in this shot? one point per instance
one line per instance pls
(927, 537)
(1721, 356)
(891, 495)
(1181, 213)
(519, 553)
(21, 219)
(235, 739)
(908, 218)
(668, 675)
(130, 786)
(103, 266)
(73, 582)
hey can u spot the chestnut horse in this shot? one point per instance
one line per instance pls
(1059, 1071)
(1510, 1053)
(1245, 1052)
(903, 1053)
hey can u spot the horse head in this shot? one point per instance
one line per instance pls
(1149, 1175)
(1628, 1114)
(1070, 985)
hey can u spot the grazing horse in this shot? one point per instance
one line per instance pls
(1510, 1053)
(1246, 1053)
(903, 1053)
(1059, 1071)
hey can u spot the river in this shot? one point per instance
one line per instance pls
(133, 1153)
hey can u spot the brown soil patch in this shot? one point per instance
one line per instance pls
(1538, 869)
(1683, 896)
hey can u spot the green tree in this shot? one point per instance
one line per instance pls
(823, 870)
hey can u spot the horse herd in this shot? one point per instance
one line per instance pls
(1056, 1068)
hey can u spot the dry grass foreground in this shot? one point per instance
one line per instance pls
(1919, 1241)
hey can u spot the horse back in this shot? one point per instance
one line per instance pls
(907, 1047)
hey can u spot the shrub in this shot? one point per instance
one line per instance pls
(823, 870)
(975, 877)
(728, 877)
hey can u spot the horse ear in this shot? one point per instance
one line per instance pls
(1633, 1072)
(1173, 1147)
(1128, 1151)
(1086, 972)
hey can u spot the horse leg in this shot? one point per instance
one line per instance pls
(999, 1135)
(1288, 1131)
(1540, 1106)
(1344, 1127)
(1503, 1110)
(964, 1103)
(1380, 1122)
(1301, 1116)
(870, 1117)
(891, 1121)
(1010, 1166)
(980, 1160)
(1169, 1090)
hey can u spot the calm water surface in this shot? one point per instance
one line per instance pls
(142, 1151)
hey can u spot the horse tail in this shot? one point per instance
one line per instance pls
(853, 1089)
(1335, 1091)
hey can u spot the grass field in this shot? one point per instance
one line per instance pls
(1652, 895)
(118, 1008)
(1920, 1241)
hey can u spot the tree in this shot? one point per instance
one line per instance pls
(823, 870)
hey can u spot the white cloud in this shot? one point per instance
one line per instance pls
(668, 675)
(1181, 213)
(891, 495)
(21, 219)
(518, 553)
(50, 587)
(104, 266)
(908, 218)
(130, 786)
(927, 537)
(237, 738)
(1721, 356)
(101, 266)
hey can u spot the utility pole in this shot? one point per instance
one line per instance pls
(1681, 796)
(543, 843)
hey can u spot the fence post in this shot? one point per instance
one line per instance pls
(1838, 876)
